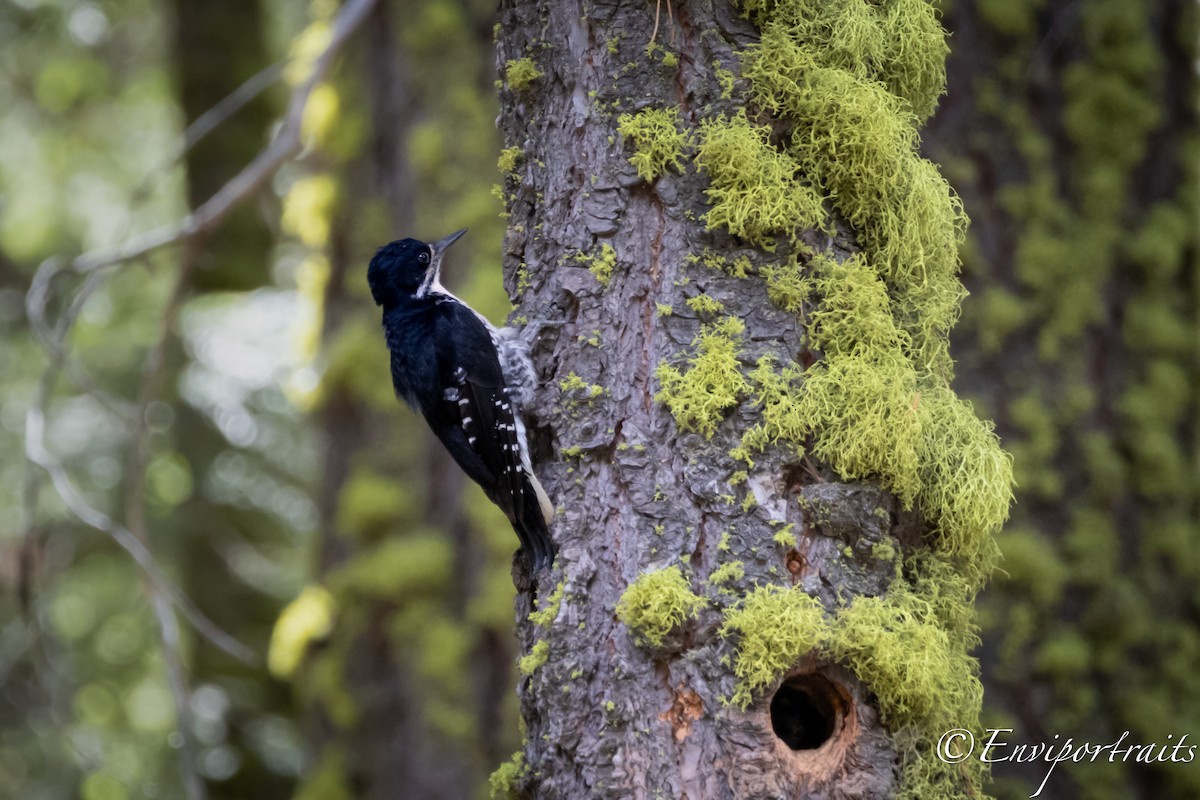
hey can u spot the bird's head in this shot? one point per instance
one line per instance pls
(407, 268)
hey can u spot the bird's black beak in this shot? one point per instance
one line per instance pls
(441, 245)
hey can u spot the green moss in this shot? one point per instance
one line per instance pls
(774, 627)
(658, 140)
(502, 784)
(663, 310)
(308, 618)
(755, 191)
(521, 73)
(656, 604)
(535, 659)
(699, 397)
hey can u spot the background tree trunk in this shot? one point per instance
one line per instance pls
(707, 560)
(1070, 129)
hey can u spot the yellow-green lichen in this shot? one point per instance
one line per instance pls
(600, 264)
(658, 140)
(509, 156)
(705, 304)
(548, 607)
(535, 659)
(755, 190)
(729, 571)
(774, 627)
(787, 287)
(656, 604)
(924, 680)
(521, 73)
(784, 537)
(502, 783)
(713, 382)
(306, 619)
(577, 387)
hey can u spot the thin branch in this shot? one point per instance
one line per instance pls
(285, 145)
(36, 452)
(203, 220)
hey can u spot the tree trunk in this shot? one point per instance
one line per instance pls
(774, 513)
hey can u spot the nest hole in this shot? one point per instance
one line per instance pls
(807, 710)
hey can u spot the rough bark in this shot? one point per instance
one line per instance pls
(607, 716)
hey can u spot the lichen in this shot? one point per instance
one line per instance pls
(755, 191)
(713, 382)
(729, 571)
(705, 304)
(535, 658)
(656, 604)
(521, 73)
(600, 264)
(548, 607)
(658, 138)
(774, 627)
(306, 619)
(509, 156)
(502, 783)
(923, 679)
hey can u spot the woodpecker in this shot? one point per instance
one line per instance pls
(467, 378)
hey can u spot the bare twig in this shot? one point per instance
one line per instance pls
(164, 615)
(37, 453)
(203, 220)
(285, 145)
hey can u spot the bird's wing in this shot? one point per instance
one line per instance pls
(477, 400)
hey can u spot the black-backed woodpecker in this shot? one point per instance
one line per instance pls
(467, 378)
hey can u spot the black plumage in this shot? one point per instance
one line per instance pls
(445, 365)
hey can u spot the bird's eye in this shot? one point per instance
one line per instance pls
(423, 258)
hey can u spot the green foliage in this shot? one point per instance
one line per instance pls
(774, 627)
(656, 604)
(395, 569)
(712, 383)
(658, 140)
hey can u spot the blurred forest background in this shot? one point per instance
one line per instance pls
(226, 404)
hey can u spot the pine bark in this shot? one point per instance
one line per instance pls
(604, 716)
